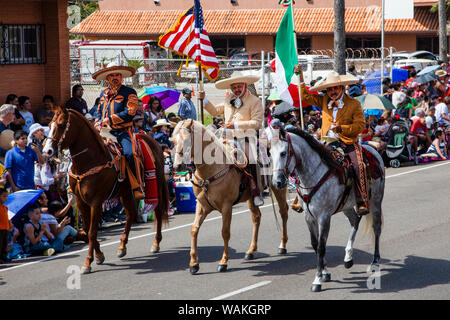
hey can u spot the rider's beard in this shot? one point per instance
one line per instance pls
(114, 85)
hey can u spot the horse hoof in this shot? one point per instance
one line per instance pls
(282, 251)
(86, 270)
(99, 260)
(222, 268)
(348, 264)
(249, 256)
(194, 269)
(121, 253)
(316, 288)
(154, 249)
(326, 277)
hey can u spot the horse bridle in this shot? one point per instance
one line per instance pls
(291, 155)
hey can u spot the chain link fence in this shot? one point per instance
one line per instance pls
(164, 72)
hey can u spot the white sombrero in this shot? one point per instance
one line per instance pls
(162, 122)
(113, 68)
(334, 79)
(236, 77)
(6, 139)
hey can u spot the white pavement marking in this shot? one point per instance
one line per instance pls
(233, 293)
(187, 225)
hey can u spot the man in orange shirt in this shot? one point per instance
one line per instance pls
(342, 120)
(5, 226)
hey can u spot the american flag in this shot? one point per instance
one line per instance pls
(188, 37)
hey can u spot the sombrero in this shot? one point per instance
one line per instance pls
(237, 77)
(161, 122)
(113, 68)
(6, 139)
(440, 73)
(334, 79)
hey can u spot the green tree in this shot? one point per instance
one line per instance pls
(136, 64)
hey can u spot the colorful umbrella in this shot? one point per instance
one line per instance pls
(428, 77)
(19, 201)
(168, 97)
(375, 101)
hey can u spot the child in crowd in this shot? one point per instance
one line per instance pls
(34, 233)
(20, 161)
(381, 128)
(5, 226)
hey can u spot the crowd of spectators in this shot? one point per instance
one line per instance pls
(422, 106)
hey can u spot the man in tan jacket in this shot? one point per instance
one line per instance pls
(243, 116)
(342, 119)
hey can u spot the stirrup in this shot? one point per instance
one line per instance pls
(362, 210)
(138, 194)
(297, 207)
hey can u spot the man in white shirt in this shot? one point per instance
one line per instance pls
(442, 112)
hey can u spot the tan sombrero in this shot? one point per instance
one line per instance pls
(113, 68)
(440, 73)
(334, 79)
(236, 77)
(6, 139)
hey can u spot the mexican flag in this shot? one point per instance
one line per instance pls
(286, 58)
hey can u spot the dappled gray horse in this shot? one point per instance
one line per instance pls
(322, 194)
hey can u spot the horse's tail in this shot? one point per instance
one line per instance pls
(162, 209)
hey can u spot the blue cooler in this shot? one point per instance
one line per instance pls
(186, 200)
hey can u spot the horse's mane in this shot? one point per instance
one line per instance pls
(91, 128)
(324, 152)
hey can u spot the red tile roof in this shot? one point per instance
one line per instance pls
(253, 21)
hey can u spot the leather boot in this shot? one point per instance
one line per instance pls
(137, 191)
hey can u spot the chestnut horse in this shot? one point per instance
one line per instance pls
(94, 178)
(217, 186)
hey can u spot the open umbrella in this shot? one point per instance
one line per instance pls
(375, 101)
(282, 108)
(428, 77)
(168, 97)
(19, 201)
(428, 69)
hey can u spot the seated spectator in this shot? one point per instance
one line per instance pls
(431, 119)
(419, 132)
(45, 113)
(60, 230)
(146, 123)
(20, 161)
(5, 226)
(18, 121)
(12, 99)
(161, 132)
(6, 118)
(25, 111)
(442, 116)
(77, 102)
(438, 149)
(380, 132)
(138, 124)
(404, 107)
(366, 136)
(34, 232)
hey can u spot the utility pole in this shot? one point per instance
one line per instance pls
(339, 36)
(443, 45)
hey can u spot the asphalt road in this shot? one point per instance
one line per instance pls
(414, 249)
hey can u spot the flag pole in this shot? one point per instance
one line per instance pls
(200, 81)
(299, 81)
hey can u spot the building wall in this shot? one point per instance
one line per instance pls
(36, 80)
(255, 44)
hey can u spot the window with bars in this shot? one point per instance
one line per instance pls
(22, 44)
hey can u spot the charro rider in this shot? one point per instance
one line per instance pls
(342, 119)
(117, 108)
(243, 115)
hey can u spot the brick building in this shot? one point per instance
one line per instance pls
(34, 50)
(253, 24)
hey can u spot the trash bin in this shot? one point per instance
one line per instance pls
(186, 200)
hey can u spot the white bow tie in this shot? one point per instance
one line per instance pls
(340, 104)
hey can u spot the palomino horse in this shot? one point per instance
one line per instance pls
(217, 186)
(315, 169)
(94, 178)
